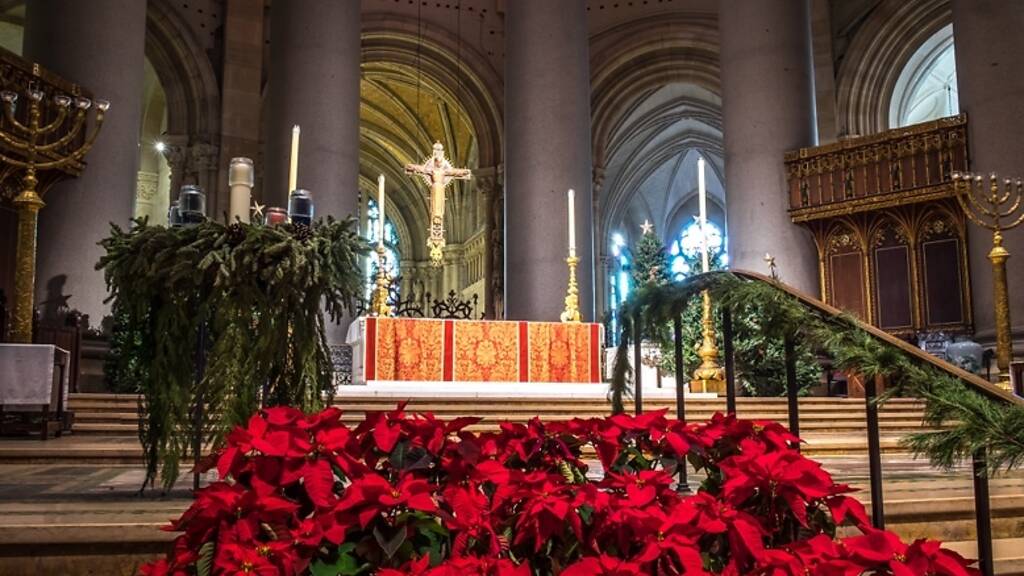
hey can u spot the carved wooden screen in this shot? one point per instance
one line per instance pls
(891, 263)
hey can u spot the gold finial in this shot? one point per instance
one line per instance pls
(379, 305)
(772, 270)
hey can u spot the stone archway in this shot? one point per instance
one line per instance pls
(418, 86)
(878, 53)
(654, 105)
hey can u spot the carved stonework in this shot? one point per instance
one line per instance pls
(146, 186)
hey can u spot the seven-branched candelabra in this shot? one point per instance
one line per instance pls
(997, 209)
(35, 146)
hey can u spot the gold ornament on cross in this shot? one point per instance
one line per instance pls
(437, 172)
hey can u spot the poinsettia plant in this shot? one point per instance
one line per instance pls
(402, 494)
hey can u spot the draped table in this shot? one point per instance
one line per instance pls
(428, 350)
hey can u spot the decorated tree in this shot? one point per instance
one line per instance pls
(650, 264)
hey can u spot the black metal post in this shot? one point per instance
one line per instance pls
(791, 388)
(638, 388)
(983, 512)
(677, 334)
(197, 410)
(874, 454)
(730, 361)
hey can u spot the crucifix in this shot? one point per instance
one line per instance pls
(437, 172)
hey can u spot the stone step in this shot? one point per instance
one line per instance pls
(122, 428)
(1008, 554)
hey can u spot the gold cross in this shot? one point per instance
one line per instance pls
(437, 172)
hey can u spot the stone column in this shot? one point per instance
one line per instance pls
(768, 108)
(77, 41)
(314, 82)
(241, 92)
(547, 136)
(990, 80)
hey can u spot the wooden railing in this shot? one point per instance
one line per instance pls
(895, 167)
(983, 512)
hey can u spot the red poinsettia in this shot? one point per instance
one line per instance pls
(401, 495)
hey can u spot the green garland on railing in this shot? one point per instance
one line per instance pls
(259, 291)
(965, 420)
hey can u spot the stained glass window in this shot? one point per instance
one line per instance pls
(390, 244)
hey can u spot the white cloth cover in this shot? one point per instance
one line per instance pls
(26, 373)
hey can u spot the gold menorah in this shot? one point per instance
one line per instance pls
(35, 146)
(995, 209)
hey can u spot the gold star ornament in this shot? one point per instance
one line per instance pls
(647, 227)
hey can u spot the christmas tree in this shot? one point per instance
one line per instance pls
(650, 264)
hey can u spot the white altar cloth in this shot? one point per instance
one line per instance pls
(26, 374)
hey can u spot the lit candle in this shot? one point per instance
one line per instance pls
(380, 210)
(572, 223)
(703, 214)
(240, 182)
(293, 168)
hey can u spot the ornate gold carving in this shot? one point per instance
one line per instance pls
(572, 295)
(43, 141)
(996, 209)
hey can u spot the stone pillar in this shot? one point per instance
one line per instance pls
(314, 82)
(547, 131)
(767, 108)
(242, 89)
(990, 80)
(77, 41)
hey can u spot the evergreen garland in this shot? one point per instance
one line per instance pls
(760, 360)
(966, 418)
(259, 293)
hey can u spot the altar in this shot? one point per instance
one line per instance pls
(386, 349)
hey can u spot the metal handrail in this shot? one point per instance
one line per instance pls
(983, 512)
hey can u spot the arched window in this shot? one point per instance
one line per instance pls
(390, 244)
(926, 88)
(685, 250)
(619, 280)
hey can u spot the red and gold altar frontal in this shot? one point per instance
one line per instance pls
(425, 350)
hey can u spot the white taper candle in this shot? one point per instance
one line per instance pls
(702, 190)
(380, 210)
(293, 166)
(572, 222)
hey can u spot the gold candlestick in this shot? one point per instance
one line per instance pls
(572, 295)
(709, 375)
(379, 305)
(38, 147)
(995, 210)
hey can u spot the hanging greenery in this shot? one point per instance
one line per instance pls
(257, 294)
(965, 419)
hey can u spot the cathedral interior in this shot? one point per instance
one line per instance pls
(655, 74)
(862, 156)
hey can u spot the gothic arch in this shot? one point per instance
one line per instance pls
(185, 71)
(878, 53)
(418, 85)
(636, 110)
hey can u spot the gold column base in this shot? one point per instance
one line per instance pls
(1004, 341)
(572, 296)
(379, 304)
(709, 376)
(28, 204)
